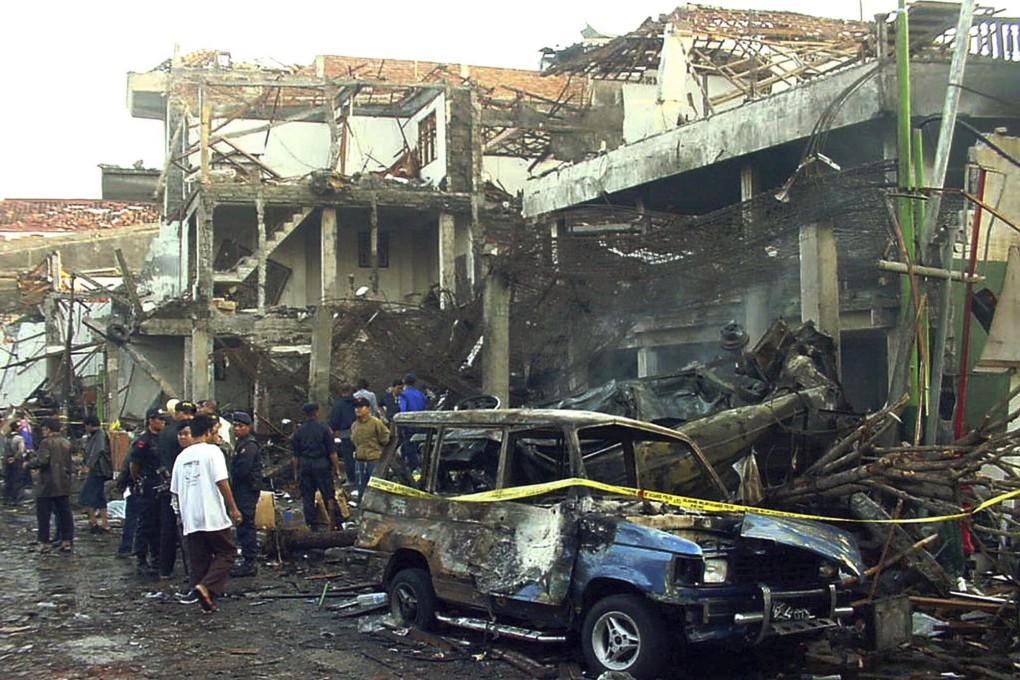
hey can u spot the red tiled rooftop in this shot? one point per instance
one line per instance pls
(29, 214)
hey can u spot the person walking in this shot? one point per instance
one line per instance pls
(315, 464)
(52, 458)
(146, 481)
(369, 436)
(410, 399)
(14, 461)
(98, 469)
(201, 490)
(246, 483)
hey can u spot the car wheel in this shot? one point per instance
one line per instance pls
(625, 633)
(412, 599)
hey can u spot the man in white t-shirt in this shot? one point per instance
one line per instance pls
(207, 510)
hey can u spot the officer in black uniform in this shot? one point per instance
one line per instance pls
(316, 460)
(246, 483)
(169, 448)
(144, 466)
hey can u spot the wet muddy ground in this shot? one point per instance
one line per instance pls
(88, 615)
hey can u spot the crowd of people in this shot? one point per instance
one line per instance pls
(191, 479)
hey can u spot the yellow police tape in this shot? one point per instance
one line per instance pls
(518, 492)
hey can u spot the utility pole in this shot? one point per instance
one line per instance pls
(944, 252)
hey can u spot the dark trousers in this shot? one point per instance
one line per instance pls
(167, 536)
(212, 555)
(127, 536)
(246, 535)
(316, 475)
(347, 458)
(59, 506)
(408, 448)
(12, 482)
(147, 534)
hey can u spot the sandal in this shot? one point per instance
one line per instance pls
(205, 599)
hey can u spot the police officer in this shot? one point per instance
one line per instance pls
(144, 466)
(246, 483)
(169, 448)
(315, 463)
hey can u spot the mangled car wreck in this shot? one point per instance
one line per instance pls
(541, 524)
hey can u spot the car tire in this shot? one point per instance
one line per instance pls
(412, 599)
(625, 633)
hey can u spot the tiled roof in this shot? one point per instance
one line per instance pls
(500, 83)
(57, 215)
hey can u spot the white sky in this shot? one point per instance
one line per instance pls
(64, 63)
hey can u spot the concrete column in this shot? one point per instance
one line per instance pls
(327, 255)
(203, 291)
(322, 354)
(647, 362)
(201, 348)
(748, 189)
(819, 280)
(54, 328)
(496, 327)
(111, 382)
(756, 312)
(260, 213)
(447, 255)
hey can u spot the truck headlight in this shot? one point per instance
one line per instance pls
(716, 570)
(827, 570)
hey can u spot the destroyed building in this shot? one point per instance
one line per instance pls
(535, 233)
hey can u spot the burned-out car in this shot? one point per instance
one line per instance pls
(536, 524)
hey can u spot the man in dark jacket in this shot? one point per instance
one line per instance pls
(169, 448)
(52, 459)
(246, 482)
(147, 480)
(98, 468)
(341, 418)
(315, 463)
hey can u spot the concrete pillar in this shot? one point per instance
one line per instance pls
(327, 255)
(322, 355)
(203, 288)
(199, 350)
(748, 190)
(260, 213)
(647, 362)
(819, 280)
(496, 327)
(447, 255)
(756, 312)
(54, 328)
(111, 382)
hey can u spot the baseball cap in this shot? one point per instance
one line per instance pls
(241, 417)
(185, 407)
(361, 401)
(154, 413)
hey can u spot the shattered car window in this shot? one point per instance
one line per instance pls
(467, 461)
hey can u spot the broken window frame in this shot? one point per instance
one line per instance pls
(428, 136)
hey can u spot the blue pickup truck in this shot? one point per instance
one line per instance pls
(537, 524)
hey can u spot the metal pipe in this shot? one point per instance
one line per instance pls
(968, 309)
(930, 272)
(905, 379)
(514, 632)
(945, 257)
